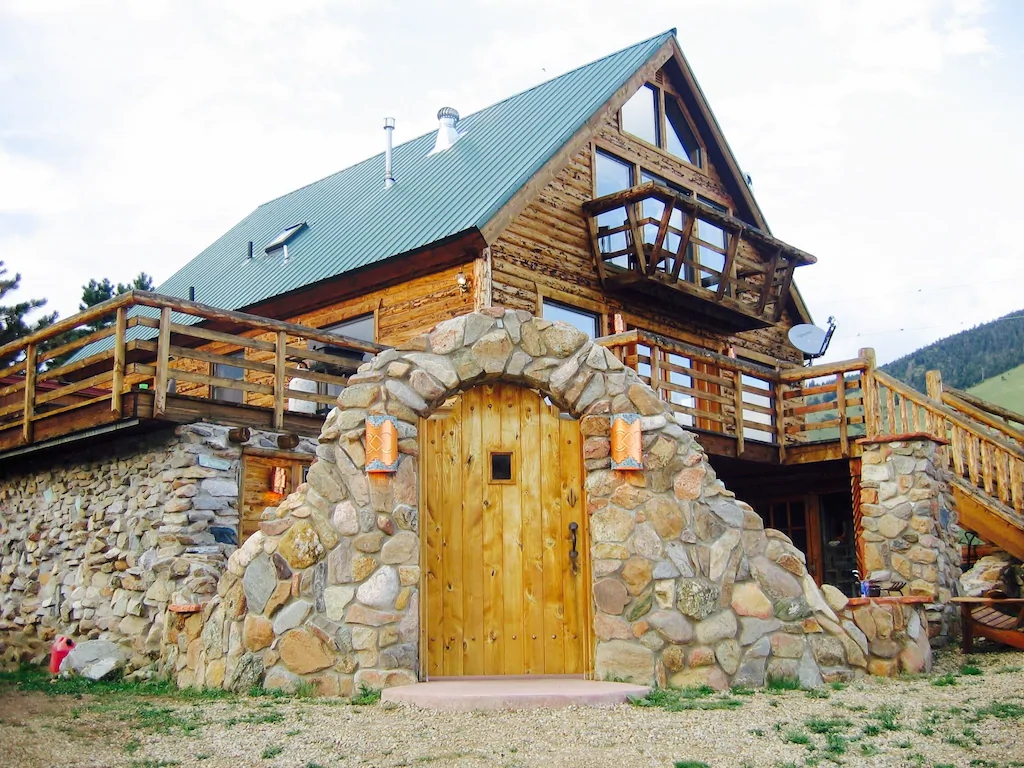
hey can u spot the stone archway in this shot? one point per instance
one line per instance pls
(688, 588)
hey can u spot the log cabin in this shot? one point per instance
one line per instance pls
(606, 200)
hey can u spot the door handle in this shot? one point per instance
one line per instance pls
(573, 553)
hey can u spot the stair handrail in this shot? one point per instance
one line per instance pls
(984, 412)
(939, 409)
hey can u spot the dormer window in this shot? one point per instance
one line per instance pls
(285, 236)
(654, 116)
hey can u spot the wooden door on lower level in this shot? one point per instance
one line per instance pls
(502, 482)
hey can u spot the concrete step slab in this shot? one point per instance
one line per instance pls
(512, 693)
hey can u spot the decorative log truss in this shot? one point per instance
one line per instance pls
(666, 244)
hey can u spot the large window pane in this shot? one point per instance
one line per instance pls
(360, 328)
(577, 318)
(640, 115)
(680, 140)
(613, 175)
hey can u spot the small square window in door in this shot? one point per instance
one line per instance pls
(502, 467)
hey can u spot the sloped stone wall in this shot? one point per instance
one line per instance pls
(688, 586)
(98, 541)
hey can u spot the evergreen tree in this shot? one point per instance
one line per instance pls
(14, 322)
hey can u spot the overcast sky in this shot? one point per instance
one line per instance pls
(883, 136)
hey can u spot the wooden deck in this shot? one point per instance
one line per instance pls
(142, 358)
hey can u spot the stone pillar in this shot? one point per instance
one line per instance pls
(908, 528)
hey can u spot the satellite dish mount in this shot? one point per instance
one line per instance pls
(812, 340)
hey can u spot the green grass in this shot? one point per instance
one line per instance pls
(684, 699)
(971, 669)
(1001, 709)
(365, 695)
(272, 751)
(1006, 389)
(690, 764)
(886, 715)
(947, 679)
(782, 684)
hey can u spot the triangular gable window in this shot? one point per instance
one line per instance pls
(654, 116)
(679, 139)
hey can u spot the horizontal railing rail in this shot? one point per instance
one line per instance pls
(142, 342)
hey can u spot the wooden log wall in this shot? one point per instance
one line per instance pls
(545, 252)
(402, 311)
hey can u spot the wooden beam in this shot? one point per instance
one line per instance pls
(844, 437)
(239, 435)
(659, 239)
(279, 380)
(684, 243)
(730, 259)
(769, 280)
(30, 393)
(787, 282)
(117, 382)
(163, 348)
(948, 398)
(638, 240)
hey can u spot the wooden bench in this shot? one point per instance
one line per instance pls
(996, 618)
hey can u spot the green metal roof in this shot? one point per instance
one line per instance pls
(353, 221)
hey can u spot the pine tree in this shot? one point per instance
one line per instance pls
(14, 322)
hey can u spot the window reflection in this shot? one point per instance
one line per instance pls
(577, 318)
(640, 115)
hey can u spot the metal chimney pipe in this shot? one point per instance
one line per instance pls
(389, 128)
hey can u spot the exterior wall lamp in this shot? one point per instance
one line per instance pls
(626, 442)
(462, 281)
(381, 444)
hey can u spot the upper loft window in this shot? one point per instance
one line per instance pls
(656, 117)
(641, 115)
(285, 236)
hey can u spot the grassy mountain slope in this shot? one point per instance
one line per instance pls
(1006, 389)
(966, 358)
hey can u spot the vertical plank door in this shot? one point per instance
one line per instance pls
(503, 478)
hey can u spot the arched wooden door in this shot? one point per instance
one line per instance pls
(502, 484)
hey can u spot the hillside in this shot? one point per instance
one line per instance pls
(1006, 389)
(967, 358)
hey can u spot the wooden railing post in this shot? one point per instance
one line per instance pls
(872, 406)
(780, 417)
(737, 379)
(279, 379)
(117, 384)
(933, 386)
(844, 437)
(30, 393)
(162, 361)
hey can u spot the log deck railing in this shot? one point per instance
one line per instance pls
(819, 412)
(653, 239)
(144, 346)
(181, 356)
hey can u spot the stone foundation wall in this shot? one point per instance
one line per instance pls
(909, 525)
(689, 587)
(98, 541)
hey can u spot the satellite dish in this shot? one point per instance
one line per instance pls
(807, 338)
(810, 339)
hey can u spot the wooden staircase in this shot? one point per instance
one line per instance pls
(984, 457)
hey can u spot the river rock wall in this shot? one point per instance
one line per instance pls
(689, 588)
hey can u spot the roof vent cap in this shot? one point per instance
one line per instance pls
(447, 132)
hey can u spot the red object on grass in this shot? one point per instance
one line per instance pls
(61, 647)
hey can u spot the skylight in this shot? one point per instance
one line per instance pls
(286, 235)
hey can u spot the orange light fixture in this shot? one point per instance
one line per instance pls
(381, 444)
(627, 442)
(278, 480)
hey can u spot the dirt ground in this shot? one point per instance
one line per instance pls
(969, 713)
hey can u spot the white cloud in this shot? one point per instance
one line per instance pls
(878, 133)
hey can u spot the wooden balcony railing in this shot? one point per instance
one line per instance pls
(657, 241)
(171, 356)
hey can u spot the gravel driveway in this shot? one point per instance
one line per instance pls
(970, 713)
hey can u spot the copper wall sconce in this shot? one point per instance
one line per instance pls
(381, 444)
(627, 442)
